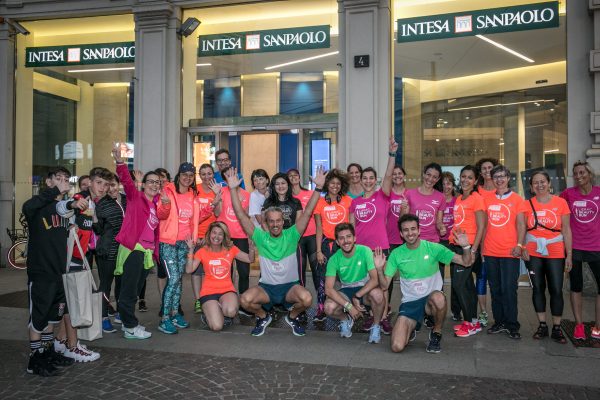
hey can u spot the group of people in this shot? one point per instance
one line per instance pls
(355, 234)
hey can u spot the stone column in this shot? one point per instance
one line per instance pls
(7, 102)
(593, 34)
(157, 113)
(366, 94)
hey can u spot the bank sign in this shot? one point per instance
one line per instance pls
(81, 54)
(479, 22)
(306, 37)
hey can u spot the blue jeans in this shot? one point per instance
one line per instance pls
(503, 276)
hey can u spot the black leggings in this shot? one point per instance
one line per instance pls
(464, 286)
(243, 268)
(106, 273)
(307, 248)
(548, 271)
(576, 275)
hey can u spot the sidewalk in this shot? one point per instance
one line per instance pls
(484, 356)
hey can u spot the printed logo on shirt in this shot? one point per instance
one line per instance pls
(545, 217)
(459, 215)
(426, 216)
(230, 214)
(152, 219)
(498, 215)
(419, 287)
(584, 211)
(219, 268)
(395, 206)
(334, 214)
(448, 218)
(185, 215)
(365, 212)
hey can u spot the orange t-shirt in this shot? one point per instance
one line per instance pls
(217, 270)
(549, 215)
(204, 200)
(464, 215)
(486, 194)
(228, 215)
(501, 233)
(333, 214)
(304, 197)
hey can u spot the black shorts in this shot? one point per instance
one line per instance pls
(215, 296)
(585, 256)
(47, 303)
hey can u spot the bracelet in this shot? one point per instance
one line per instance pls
(391, 154)
(320, 190)
(520, 245)
(348, 306)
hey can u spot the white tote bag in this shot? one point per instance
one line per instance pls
(94, 331)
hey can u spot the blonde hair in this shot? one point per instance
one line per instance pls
(227, 243)
(586, 165)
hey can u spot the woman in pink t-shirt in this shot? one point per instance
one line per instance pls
(584, 202)
(397, 199)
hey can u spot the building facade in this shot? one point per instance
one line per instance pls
(295, 83)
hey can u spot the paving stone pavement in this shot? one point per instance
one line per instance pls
(139, 374)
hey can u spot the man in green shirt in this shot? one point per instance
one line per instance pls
(420, 281)
(279, 278)
(355, 267)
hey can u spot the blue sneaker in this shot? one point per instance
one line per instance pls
(117, 319)
(297, 329)
(179, 321)
(107, 326)
(375, 335)
(166, 326)
(261, 325)
(346, 327)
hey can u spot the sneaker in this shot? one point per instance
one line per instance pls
(40, 365)
(456, 317)
(142, 305)
(497, 328)
(261, 325)
(386, 327)
(227, 321)
(483, 318)
(166, 326)
(136, 333)
(579, 332)
(468, 329)
(366, 326)
(244, 313)
(413, 336)
(57, 359)
(203, 319)
(111, 310)
(514, 334)
(595, 333)
(375, 335)
(458, 326)
(346, 327)
(60, 346)
(542, 332)
(107, 326)
(117, 319)
(179, 321)
(197, 306)
(80, 353)
(434, 342)
(428, 321)
(557, 335)
(297, 329)
(320, 316)
(418, 327)
(302, 317)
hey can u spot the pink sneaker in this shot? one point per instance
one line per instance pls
(596, 333)
(458, 326)
(579, 332)
(468, 329)
(367, 324)
(386, 327)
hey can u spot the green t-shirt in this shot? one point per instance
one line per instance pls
(419, 268)
(277, 255)
(352, 271)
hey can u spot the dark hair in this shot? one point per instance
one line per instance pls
(115, 177)
(407, 218)
(52, 172)
(222, 151)
(162, 171)
(149, 173)
(82, 177)
(205, 165)
(259, 173)
(450, 176)
(439, 184)
(193, 185)
(342, 177)
(224, 173)
(400, 167)
(475, 171)
(354, 165)
(298, 172)
(343, 227)
(368, 169)
(480, 163)
(100, 172)
(273, 196)
(501, 168)
(540, 172)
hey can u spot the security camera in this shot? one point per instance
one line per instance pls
(18, 27)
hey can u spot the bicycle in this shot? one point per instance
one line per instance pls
(17, 254)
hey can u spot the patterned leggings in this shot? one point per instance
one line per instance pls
(174, 258)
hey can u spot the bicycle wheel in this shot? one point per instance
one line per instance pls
(17, 255)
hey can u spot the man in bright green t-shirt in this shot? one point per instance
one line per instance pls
(354, 265)
(417, 262)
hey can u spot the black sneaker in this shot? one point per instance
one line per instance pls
(542, 332)
(434, 342)
(111, 310)
(428, 321)
(261, 325)
(142, 306)
(557, 335)
(203, 319)
(55, 358)
(497, 328)
(514, 334)
(413, 335)
(227, 321)
(302, 317)
(456, 317)
(39, 365)
(245, 313)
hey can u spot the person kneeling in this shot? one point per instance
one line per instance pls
(355, 267)
(417, 262)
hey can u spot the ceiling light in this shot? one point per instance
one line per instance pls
(203, 65)
(552, 151)
(102, 69)
(511, 51)
(457, 139)
(501, 104)
(437, 140)
(302, 60)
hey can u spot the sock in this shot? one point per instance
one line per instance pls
(35, 345)
(47, 339)
(543, 323)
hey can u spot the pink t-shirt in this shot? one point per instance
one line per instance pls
(185, 209)
(228, 215)
(584, 220)
(448, 218)
(147, 236)
(426, 208)
(304, 196)
(392, 217)
(369, 220)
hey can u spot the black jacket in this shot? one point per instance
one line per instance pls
(110, 218)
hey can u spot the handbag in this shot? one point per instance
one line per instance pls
(94, 331)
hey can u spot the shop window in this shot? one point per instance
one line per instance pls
(222, 98)
(301, 93)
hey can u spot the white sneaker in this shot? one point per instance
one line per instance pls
(136, 333)
(142, 327)
(60, 346)
(80, 353)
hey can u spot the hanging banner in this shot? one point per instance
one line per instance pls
(302, 38)
(80, 54)
(479, 22)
